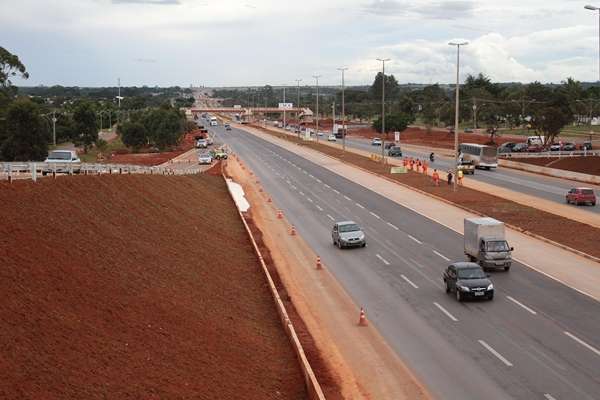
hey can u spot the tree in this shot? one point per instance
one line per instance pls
(549, 117)
(10, 66)
(391, 87)
(86, 127)
(133, 134)
(394, 122)
(26, 134)
(164, 125)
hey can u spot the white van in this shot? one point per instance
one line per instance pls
(214, 121)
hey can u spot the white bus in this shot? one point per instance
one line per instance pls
(481, 155)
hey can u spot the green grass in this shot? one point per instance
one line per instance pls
(92, 154)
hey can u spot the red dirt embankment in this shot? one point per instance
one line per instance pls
(149, 159)
(135, 286)
(585, 165)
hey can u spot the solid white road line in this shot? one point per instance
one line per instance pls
(393, 226)
(549, 396)
(415, 239)
(521, 304)
(442, 309)
(375, 215)
(319, 207)
(411, 283)
(330, 217)
(360, 206)
(584, 344)
(383, 260)
(494, 352)
(441, 255)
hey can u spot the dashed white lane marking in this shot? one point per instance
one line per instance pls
(330, 217)
(360, 206)
(584, 344)
(301, 193)
(383, 260)
(393, 226)
(411, 283)
(318, 180)
(494, 352)
(319, 207)
(549, 396)
(375, 215)
(304, 171)
(311, 175)
(327, 186)
(335, 191)
(293, 187)
(309, 199)
(441, 255)
(415, 239)
(347, 198)
(521, 304)
(448, 314)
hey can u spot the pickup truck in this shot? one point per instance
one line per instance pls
(466, 166)
(64, 161)
(485, 243)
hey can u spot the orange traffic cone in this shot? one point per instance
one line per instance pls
(319, 266)
(293, 231)
(362, 320)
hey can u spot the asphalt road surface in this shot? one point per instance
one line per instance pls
(538, 339)
(549, 188)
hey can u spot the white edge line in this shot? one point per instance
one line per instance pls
(494, 352)
(386, 262)
(584, 344)
(393, 226)
(415, 239)
(411, 283)
(442, 309)
(521, 304)
(441, 255)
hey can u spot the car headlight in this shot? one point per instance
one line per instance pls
(490, 287)
(464, 288)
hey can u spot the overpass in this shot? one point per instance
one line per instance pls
(247, 113)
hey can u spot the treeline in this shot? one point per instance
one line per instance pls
(161, 128)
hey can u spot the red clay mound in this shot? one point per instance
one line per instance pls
(135, 287)
(585, 165)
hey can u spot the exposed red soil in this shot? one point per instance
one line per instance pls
(145, 158)
(135, 287)
(585, 165)
(435, 138)
(574, 234)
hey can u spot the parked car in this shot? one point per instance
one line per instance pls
(468, 130)
(62, 161)
(348, 234)
(331, 138)
(205, 158)
(201, 144)
(395, 151)
(555, 147)
(375, 142)
(519, 148)
(587, 145)
(569, 146)
(581, 195)
(506, 147)
(467, 280)
(534, 148)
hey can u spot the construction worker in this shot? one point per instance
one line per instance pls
(436, 177)
(425, 166)
(419, 164)
(459, 176)
(411, 163)
(450, 176)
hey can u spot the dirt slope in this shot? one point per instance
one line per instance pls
(117, 287)
(585, 165)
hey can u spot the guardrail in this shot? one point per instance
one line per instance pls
(32, 170)
(578, 153)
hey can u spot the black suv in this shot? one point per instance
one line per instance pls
(395, 151)
(468, 280)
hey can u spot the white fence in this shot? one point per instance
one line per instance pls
(33, 170)
(578, 153)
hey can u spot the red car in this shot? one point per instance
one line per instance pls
(579, 196)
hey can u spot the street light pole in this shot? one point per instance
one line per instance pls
(54, 127)
(317, 116)
(383, 60)
(456, 111)
(298, 106)
(592, 8)
(343, 69)
(284, 124)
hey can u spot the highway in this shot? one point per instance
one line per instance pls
(538, 339)
(545, 187)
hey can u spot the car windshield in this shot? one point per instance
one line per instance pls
(470, 273)
(59, 155)
(349, 228)
(497, 245)
(587, 191)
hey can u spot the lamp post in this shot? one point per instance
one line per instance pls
(284, 124)
(343, 69)
(383, 60)
(456, 111)
(298, 106)
(317, 116)
(592, 8)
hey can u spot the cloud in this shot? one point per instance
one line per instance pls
(444, 10)
(150, 2)
(145, 60)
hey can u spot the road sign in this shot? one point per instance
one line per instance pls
(397, 136)
(398, 170)
(286, 105)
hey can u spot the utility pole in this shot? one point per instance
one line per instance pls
(383, 60)
(317, 116)
(298, 106)
(54, 127)
(333, 112)
(284, 124)
(456, 111)
(343, 111)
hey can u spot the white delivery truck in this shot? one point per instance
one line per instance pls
(214, 121)
(485, 243)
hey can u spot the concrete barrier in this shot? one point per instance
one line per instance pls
(554, 172)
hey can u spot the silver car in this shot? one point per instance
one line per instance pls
(348, 234)
(205, 159)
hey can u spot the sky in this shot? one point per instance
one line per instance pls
(258, 42)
